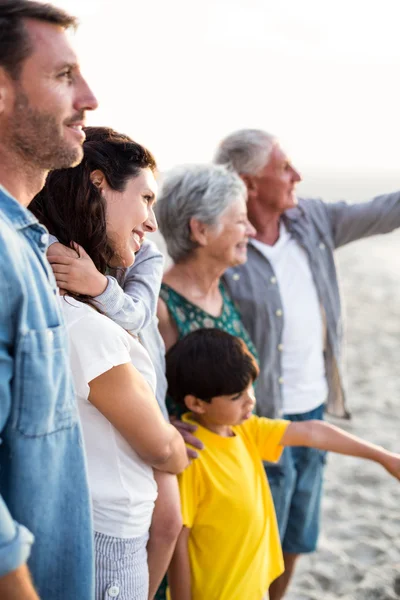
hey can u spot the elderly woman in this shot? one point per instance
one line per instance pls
(202, 215)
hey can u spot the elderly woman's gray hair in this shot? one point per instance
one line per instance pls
(246, 151)
(199, 192)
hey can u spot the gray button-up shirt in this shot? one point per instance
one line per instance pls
(319, 228)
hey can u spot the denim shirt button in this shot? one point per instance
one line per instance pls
(236, 277)
(322, 246)
(113, 591)
(45, 239)
(273, 279)
(280, 347)
(280, 380)
(279, 312)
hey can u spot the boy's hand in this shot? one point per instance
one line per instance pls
(186, 430)
(75, 271)
(391, 462)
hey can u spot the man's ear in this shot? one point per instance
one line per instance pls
(198, 231)
(6, 93)
(195, 405)
(251, 184)
(98, 179)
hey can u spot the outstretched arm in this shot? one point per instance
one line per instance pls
(317, 434)
(350, 222)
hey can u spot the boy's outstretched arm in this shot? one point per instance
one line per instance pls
(133, 307)
(317, 434)
(179, 578)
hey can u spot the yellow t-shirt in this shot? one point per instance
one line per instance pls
(234, 547)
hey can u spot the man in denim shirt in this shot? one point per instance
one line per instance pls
(289, 300)
(44, 497)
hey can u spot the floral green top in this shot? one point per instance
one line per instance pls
(189, 317)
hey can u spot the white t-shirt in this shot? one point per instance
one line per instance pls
(304, 385)
(122, 486)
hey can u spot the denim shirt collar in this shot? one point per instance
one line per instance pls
(19, 216)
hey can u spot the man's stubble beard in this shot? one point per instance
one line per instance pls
(35, 136)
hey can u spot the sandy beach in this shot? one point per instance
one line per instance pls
(359, 550)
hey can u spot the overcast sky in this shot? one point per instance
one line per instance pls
(178, 75)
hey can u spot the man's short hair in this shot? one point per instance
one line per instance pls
(247, 151)
(15, 45)
(208, 363)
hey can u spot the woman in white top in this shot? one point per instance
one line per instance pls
(105, 204)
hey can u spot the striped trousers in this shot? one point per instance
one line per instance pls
(121, 568)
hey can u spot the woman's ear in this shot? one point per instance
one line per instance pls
(98, 179)
(194, 404)
(198, 231)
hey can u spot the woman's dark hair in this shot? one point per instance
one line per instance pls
(73, 208)
(208, 363)
(15, 44)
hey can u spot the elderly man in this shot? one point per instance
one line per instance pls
(44, 493)
(289, 300)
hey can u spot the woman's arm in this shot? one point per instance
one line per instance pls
(134, 412)
(17, 584)
(166, 325)
(317, 434)
(179, 577)
(132, 307)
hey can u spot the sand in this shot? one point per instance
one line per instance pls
(359, 549)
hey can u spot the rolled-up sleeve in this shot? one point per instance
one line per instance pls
(15, 542)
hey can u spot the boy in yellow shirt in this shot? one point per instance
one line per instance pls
(229, 547)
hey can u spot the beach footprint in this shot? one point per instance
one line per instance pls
(366, 552)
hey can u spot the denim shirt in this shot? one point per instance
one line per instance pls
(44, 497)
(319, 228)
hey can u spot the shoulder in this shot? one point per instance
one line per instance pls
(261, 425)
(163, 314)
(11, 243)
(82, 321)
(18, 262)
(312, 208)
(150, 250)
(166, 323)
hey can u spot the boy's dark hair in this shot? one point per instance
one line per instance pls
(15, 44)
(208, 363)
(73, 209)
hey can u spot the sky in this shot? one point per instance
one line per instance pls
(178, 75)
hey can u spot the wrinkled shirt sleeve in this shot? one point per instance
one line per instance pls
(15, 539)
(134, 307)
(350, 222)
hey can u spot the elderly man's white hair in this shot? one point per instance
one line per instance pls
(246, 150)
